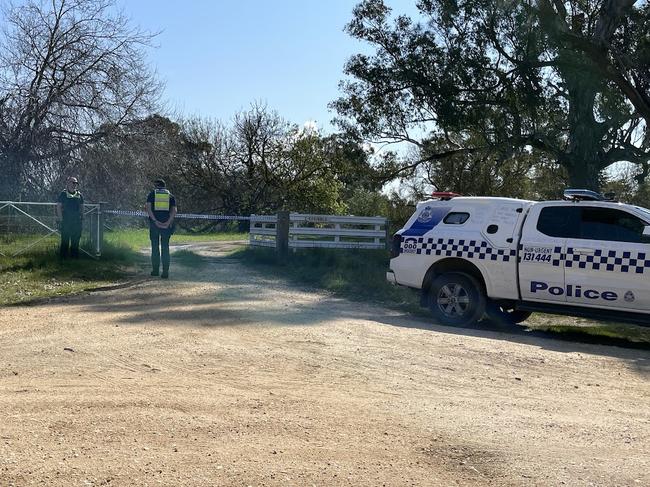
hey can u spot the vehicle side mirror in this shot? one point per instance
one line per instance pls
(646, 231)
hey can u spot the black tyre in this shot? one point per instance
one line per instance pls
(457, 299)
(504, 315)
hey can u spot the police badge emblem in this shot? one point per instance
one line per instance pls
(629, 296)
(425, 215)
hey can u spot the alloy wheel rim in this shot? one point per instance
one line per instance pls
(453, 300)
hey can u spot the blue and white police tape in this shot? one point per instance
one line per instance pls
(194, 216)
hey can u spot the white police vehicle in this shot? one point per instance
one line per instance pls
(584, 256)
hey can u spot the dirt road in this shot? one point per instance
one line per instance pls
(223, 377)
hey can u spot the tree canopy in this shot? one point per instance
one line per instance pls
(70, 71)
(257, 163)
(261, 163)
(565, 81)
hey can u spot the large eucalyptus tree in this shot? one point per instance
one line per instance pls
(568, 81)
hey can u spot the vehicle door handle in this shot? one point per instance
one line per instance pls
(584, 251)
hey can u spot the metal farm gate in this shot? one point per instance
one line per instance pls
(26, 225)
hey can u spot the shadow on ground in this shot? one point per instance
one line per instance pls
(230, 289)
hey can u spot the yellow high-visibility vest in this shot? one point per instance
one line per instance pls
(161, 200)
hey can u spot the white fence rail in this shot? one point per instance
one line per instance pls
(329, 231)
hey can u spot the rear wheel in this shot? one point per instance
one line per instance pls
(507, 315)
(456, 299)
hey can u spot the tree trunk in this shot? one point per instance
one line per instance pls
(584, 175)
(583, 158)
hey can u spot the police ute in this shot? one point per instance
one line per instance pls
(506, 258)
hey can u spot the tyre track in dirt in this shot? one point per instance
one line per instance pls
(221, 376)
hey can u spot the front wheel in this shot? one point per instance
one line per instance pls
(457, 299)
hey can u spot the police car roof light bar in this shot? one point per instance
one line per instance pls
(444, 195)
(583, 195)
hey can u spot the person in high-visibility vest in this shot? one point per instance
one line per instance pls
(70, 212)
(161, 207)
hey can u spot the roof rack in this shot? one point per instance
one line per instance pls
(586, 195)
(444, 195)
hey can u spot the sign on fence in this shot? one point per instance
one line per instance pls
(329, 231)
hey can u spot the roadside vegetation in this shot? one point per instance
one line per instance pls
(354, 274)
(138, 238)
(589, 331)
(360, 275)
(38, 273)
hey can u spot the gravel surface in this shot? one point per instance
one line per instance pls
(220, 376)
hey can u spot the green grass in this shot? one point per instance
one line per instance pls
(9, 245)
(361, 275)
(588, 330)
(38, 273)
(139, 238)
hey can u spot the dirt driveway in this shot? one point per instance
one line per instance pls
(223, 377)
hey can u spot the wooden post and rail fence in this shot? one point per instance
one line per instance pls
(297, 230)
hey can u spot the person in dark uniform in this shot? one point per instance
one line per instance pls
(69, 211)
(161, 207)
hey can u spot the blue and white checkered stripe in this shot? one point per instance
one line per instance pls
(609, 260)
(558, 256)
(600, 260)
(468, 249)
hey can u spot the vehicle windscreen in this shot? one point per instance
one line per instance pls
(645, 211)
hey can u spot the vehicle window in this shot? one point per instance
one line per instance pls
(558, 221)
(456, 218)
(611, 224)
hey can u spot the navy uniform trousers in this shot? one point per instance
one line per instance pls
(160, 247)
(70, 236)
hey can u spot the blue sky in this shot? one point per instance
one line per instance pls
(217, 57)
